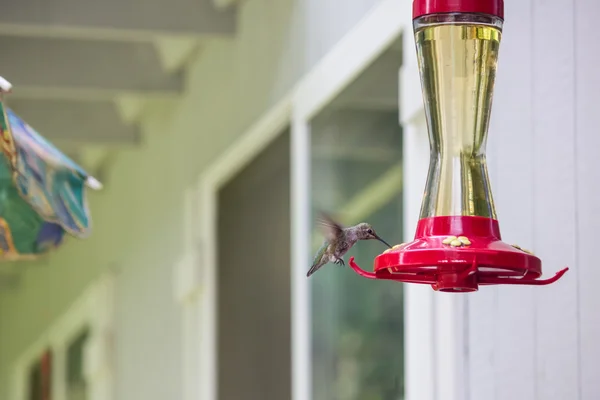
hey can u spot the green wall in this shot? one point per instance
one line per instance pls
(138, 218)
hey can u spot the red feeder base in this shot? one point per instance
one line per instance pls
(457, 254)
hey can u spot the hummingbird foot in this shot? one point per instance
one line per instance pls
(340, 261)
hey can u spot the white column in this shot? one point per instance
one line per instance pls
(208, 298)
(419, 303)
(187, 285)
(58, 367)
(301, 316)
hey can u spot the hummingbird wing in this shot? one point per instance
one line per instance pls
(318, 261)
(331, 229)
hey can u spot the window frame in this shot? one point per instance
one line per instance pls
(358, 49)
(93, 310)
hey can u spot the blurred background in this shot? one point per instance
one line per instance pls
(219, 129)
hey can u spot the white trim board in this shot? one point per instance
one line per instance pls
(250, 144)
(300, 239)
(93, 309)
(374, 34)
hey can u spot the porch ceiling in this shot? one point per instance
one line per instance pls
(77, 66)
(115, 19)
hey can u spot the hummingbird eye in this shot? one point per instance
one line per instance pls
(370, 231)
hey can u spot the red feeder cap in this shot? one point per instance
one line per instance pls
(491, 7)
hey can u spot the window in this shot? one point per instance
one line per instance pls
(39, 384)
(254, 278)
(40, 377)
(356, 174)
(72, 359)
(76, 382)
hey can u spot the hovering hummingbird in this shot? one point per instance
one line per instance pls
(338, 240)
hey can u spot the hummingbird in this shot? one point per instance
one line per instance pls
(338, 240)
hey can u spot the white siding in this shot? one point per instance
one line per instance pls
(587, 168)
(557, 355)
(502, 322)
(541, 343)
(525, 343)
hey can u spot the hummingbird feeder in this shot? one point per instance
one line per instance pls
(457, 244)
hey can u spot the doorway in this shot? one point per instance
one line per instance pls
(253, 275)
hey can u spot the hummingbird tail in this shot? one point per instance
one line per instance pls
(313, 269)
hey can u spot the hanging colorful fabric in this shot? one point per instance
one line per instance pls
(42, 191)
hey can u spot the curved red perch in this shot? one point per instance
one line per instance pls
(540, 282)
(360, 271)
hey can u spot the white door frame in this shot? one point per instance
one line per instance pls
(93, 309)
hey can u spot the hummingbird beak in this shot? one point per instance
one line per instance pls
(382, 241)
